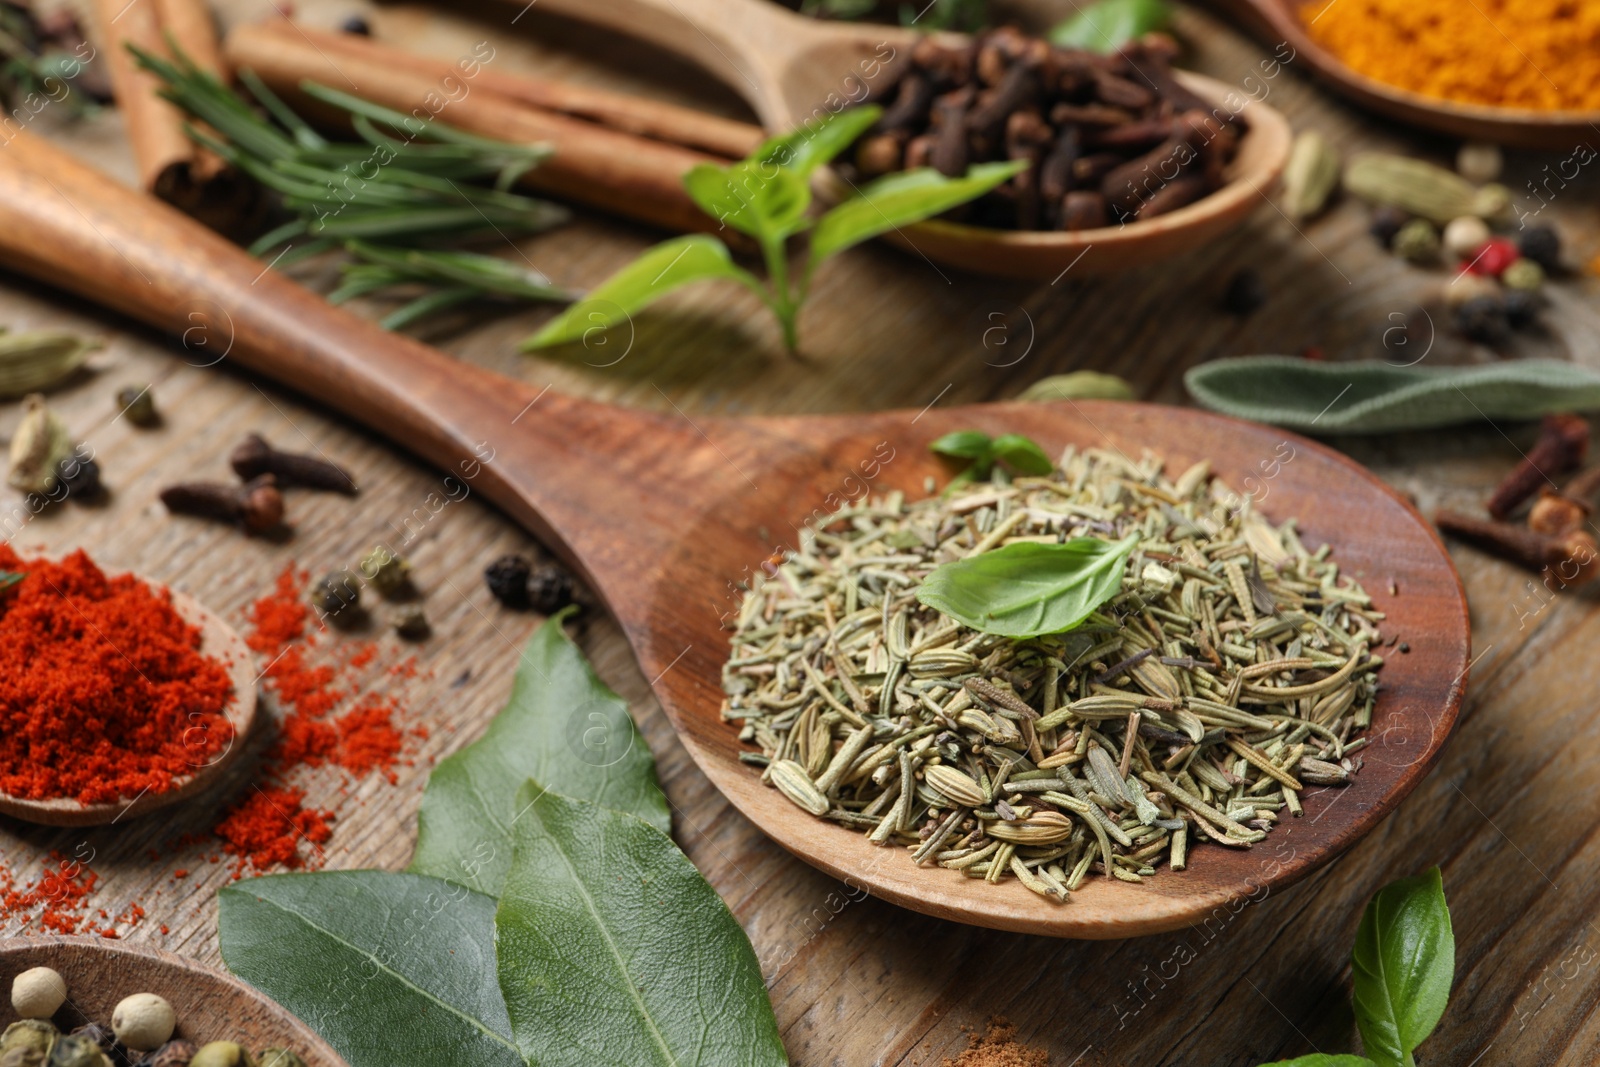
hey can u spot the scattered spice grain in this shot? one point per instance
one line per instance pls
(999, 1047)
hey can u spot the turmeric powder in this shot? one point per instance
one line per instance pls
(1538, 54)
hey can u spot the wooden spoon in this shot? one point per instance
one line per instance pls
(665, 515)
(1276, 22)
(210, 1006)
(791, 69)
(217, 640)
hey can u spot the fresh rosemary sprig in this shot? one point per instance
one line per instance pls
(392, 199)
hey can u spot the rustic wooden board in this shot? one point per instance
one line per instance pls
(857, 981)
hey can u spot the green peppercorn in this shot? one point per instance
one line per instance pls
(279, 1057)
(1524, 274)
(338, 596)
(389, 574)
(138, 404)
(78, 1050)
(1417, 241)
(222, 1054)
(29, 1033)
(410, 622)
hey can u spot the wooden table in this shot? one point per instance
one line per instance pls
(1506, 814)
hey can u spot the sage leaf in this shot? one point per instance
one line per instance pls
(1022, 455)
(1026, 589)
(614, 950)
(1403, 963)
(1109, 24)
(1079, 385)
(806, 147)
(1378, 397)
(899, 199)
(653, 275)
(1319, 1059)
(563, 726)
(388, 968)
(755, 196)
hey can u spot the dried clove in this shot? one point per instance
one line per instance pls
(1562, 446)
(1084, 210)
(949, 156)
(256, 506)
(1572, 558)
(254, 457)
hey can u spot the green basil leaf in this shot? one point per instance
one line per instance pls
(11, 578)
(613, 949)
(1027, 589)
(1403, 964)
(1109, 24)
(963, 444)
(900, 199)
(563, 726)
(1078, 385)
(1022, 455)
(653, 275)
(1372, 396)
(1318, 1059)
(389, 968)
(806, 147)
(755, 196)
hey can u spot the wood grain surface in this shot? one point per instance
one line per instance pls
(1507, 812)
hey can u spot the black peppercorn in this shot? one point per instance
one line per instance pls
(1522, 308)
(79, 475)
(1386, 222)
(1245, 293)
(1542, 245)
(137, 403)
(357, 25)
(550, 588)
(1483, 319)
(507, 578)
(338, 597)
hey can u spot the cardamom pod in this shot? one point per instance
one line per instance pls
(956, 785)
(38, 359)
(1310, 175)
(1422, 188)
(40, 443)
(793, 782)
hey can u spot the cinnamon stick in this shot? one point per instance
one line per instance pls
(170, 164)
(592, 164)
(637, 115)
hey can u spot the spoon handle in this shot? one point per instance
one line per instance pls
(552, 462)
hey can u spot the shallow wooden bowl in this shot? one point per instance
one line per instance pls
(211, 1005)
(217, 640)
(1275, 22)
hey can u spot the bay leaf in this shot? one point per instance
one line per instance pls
(389, 968)
(1371, 396)
(562, 726)
(614, 950)
(1026, 589)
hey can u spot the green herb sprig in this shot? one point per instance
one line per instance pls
(1109, 24)
(966, 16)
(767, 197)
(1015, 452)
(1026, 589)
(390, 199)
(1403, 963)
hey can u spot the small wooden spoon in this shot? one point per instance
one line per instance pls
(665, 516)
(210, 1005)
(1275, 22)
(217, 640)
(791, 69)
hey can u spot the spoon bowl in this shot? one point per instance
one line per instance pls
(1274, 22)
(219, 641)
(667, 517)
(790, 69)
(210, 1006)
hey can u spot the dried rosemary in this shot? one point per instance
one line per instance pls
(1231, 670)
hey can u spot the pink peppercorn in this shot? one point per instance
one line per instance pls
(1493, 257)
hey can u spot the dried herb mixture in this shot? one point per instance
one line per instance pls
(1229, 670)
